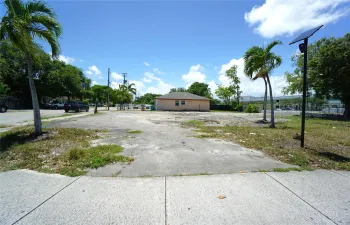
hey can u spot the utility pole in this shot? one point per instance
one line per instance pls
(108, 91)
(124, 75)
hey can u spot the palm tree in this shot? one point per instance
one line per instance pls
(259, 63)
(20, 25)
(130, 88)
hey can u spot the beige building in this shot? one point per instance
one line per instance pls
(182, 101)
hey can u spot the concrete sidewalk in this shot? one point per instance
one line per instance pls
(317, 197)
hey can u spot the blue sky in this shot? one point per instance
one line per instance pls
(164, 44)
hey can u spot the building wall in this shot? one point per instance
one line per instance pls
(190, 105)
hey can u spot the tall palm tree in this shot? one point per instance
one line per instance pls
(259, 63)
(130, 88)
(23, 22)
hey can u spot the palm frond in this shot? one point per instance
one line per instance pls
(272, 44)
(50, 37)
(14, 7)
(48, 22)
(38, 7)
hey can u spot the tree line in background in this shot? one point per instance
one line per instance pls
(328, 71)
(52, 78)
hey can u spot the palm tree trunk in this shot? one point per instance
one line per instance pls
(95, 111)
(272, 125)
(35, 103)
(265, 99)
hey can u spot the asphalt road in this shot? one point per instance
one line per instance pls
(15, 117)
(316, 197)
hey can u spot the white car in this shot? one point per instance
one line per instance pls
(57, 105)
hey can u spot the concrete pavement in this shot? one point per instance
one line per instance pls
(317, 197)
(165, 148)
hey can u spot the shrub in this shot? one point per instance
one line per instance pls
(86, 102)
(252, 109)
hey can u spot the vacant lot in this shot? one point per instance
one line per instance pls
(161, 144)
(183, 143)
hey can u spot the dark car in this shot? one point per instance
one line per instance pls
(76, 106)
(3, 107)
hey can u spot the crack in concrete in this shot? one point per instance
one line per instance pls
(166, 215)
(45, 201)
(301, 198)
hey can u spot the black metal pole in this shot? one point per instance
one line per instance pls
(108, 91)
(304, 94)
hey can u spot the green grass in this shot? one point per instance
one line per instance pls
(59, 116)
(59, 150)
(327, 142)
(194, 174)
(224, 111)
(194, 123)
(134, 132)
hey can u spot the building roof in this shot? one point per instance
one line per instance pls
(182, 96)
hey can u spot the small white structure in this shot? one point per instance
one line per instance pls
(182, 101)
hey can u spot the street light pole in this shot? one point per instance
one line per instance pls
(108, 91)
(304, 95)
(303, 49)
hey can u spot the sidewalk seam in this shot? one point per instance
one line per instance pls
(301, 198)
(166, 215)
(339, 173)
(45, 201)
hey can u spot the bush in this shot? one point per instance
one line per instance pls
(86, 102)
(238, 107)
(252, 109)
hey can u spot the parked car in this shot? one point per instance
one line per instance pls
(76, 106)
(57, 105)
(3, 107)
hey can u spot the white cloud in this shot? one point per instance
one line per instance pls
(93, 70)
(115, 84)
(101, 77)
(93, 82)
(156, 70)
(253, 88)
(116, 76)
(66, 59)
(147, 80)
(150, 76)
(161, 88)
(146, 63)
(195, 74)
(213, 86)
(81, 60)
(286, 17)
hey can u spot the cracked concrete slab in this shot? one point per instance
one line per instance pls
(166, 148)
(252, 198)
(23, 190)
(327, 191)
(92, 200)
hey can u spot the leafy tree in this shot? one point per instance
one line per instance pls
(259, 62)
(99, 94)
(3, 89)
(328, 71)
(147, 98)
(180, 89)
(54, 78)
(231, 74)
(200, 89)
(225, 94)
(20, 25)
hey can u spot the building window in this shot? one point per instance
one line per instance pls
(176, 102)
(182, 102)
